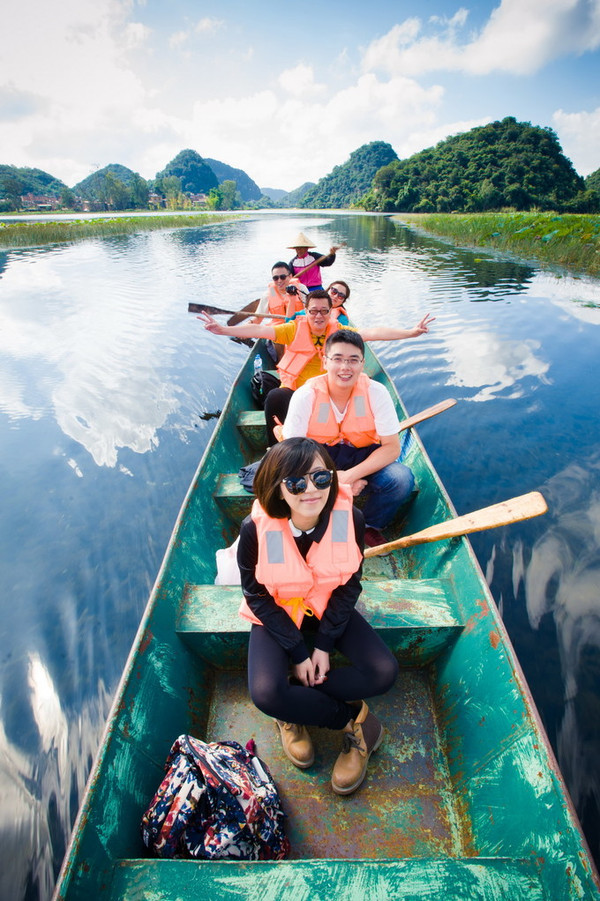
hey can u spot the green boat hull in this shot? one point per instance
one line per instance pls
(464, 798)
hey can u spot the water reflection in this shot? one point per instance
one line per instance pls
(563, 580)
(482, 360)
(40, 789)
(108, 391)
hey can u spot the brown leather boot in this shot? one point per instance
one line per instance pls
(362, 736)
(297, 744)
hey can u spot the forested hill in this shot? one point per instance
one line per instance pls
(17, 180)
(504, 164)
(194, 174)
(248, 188)
(347, 183)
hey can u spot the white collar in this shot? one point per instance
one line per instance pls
(298, 532)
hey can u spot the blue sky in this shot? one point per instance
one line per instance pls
(286, 92)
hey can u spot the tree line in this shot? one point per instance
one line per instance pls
(506, 164)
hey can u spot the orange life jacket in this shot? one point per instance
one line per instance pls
(336, 312)
(300, 352)
(358, 425)
(278, 302)
(303, 587)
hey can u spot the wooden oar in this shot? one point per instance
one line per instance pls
(216, 311)
(405, 424)
(427, 414)
(516, 509)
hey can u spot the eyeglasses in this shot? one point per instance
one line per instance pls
(339, 361)
(282, 277)
(321, 479)
(322, 313)
(337, 293)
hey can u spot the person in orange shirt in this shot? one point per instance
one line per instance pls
(305, 339)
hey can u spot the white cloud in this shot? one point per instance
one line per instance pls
(520, 37)
(300, 81)
(368, 110)
(208, 25)
(580, 138)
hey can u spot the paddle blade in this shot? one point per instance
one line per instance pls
(427, 414)
(526, 506)
(206, 308)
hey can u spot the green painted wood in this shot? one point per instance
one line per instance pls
(416, 618)
(417, 880)
(252, 425)
(465, 779)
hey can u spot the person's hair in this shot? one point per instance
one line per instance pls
(292, 457)
(281, 265)
(347, 337)
(321, 295)
(338, 281)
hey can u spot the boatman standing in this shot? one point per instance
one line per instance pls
(311, 277)
(355, 419)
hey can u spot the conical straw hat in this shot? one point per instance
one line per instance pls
(301, 241)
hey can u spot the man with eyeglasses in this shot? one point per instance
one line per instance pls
(304, 338)
(355, 419)
(277, 299)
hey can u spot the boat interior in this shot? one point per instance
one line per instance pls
(462, 800)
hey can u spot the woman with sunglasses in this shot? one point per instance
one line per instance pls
(339, 292)
(300, 559)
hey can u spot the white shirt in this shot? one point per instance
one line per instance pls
(302, 402)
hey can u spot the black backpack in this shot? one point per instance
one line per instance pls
(261, 383)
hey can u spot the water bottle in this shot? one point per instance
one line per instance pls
(257, 363)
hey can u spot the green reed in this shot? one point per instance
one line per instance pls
(33, 233)
(569, 240)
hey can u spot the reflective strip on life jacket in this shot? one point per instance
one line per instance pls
(358, 425)
(303, 587)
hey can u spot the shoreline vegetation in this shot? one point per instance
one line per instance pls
(569, 240)
(32, 233)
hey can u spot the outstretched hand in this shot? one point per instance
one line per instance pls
(211, 324)
(423, 325)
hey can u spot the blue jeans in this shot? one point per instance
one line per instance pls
(387, 489)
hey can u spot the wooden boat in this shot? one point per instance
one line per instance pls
(464, 798)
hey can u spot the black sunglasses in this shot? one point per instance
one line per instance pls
(282, 277)
(321, 479)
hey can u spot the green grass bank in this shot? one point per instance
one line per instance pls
(569, 240)
(33, 233)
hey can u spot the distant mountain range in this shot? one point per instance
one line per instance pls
(503, 164)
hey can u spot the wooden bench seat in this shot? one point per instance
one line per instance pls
(253, 427)
(417, 619)
(421, 879)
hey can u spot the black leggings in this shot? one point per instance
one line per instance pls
(277, 402)
(372, 671)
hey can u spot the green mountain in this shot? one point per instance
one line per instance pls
(504, 164)
(194, 173)
(347, 183)
(91, 188)
(294, 198)
(116, 186)
(275, 194)
(18, 180)
(248, 188)
(592, 181)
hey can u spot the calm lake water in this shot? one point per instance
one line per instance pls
(107, 387)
